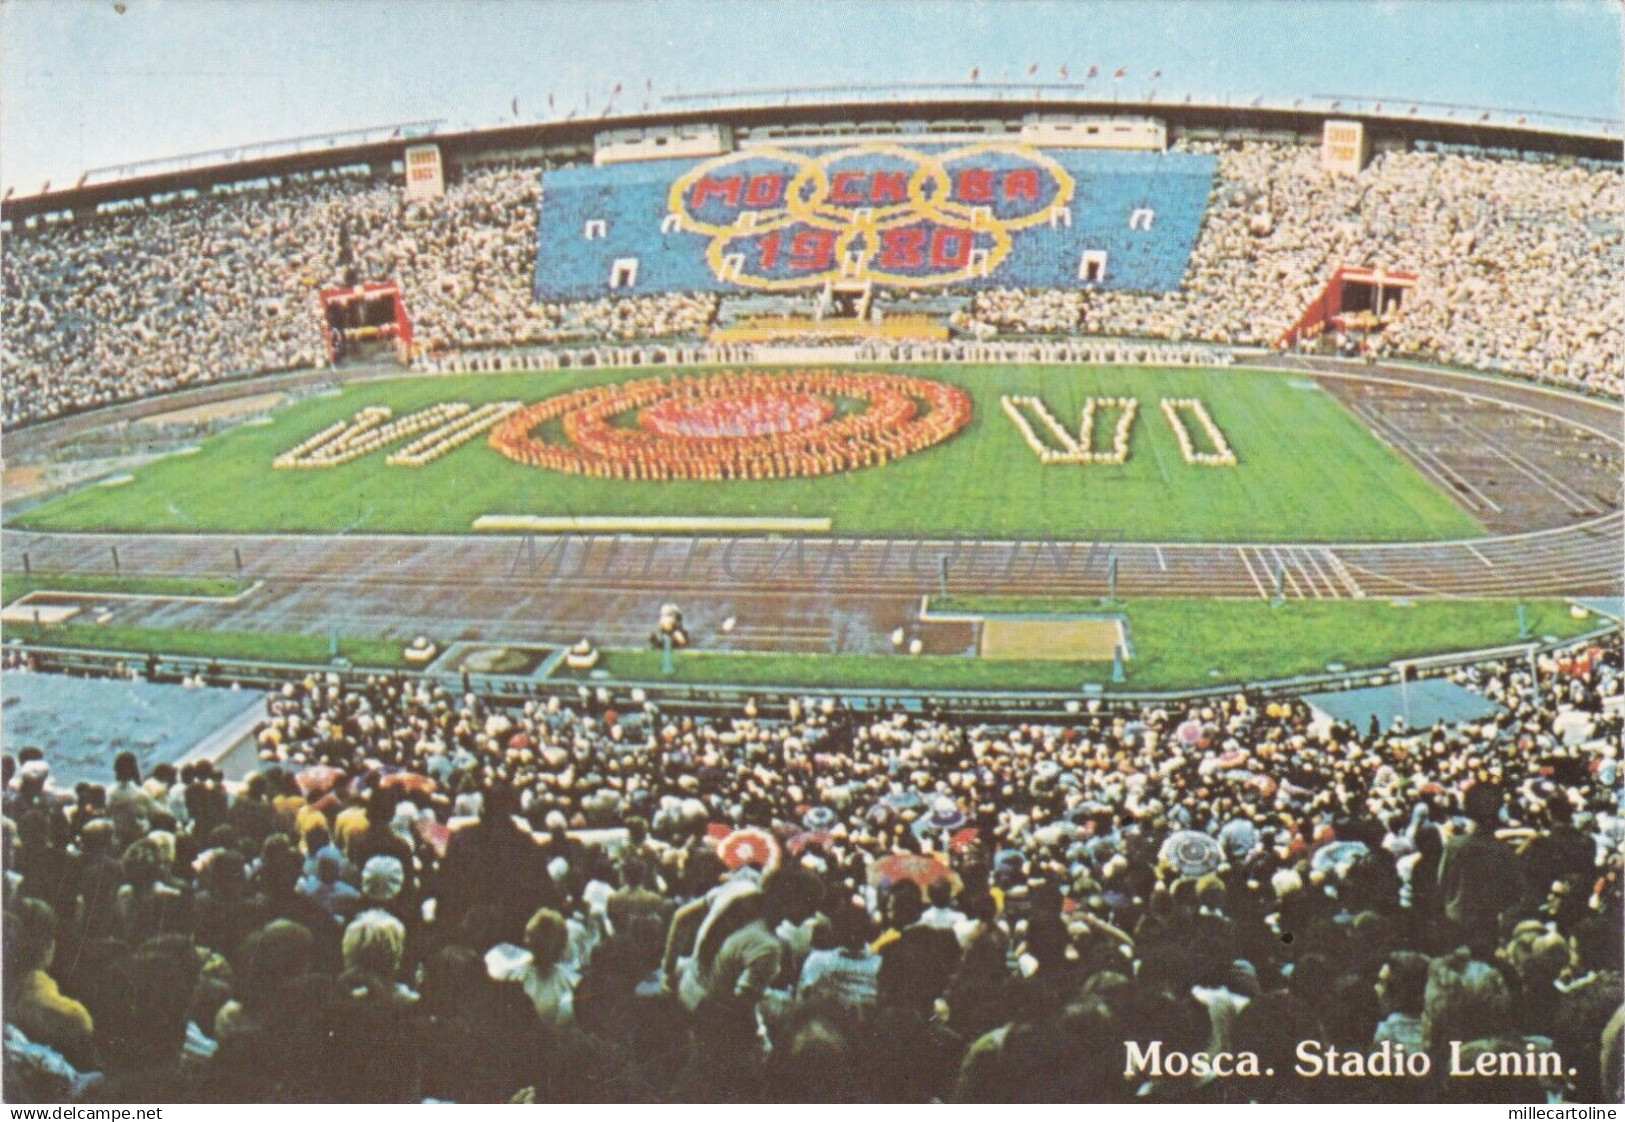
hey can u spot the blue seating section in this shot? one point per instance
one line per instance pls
(631, 199)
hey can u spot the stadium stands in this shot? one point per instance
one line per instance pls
(1199, 875)
(577, 256)
(1518, 264)
(425, 892)
(630, 201)
(1519, 261)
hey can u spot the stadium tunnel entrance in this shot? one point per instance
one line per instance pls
(363, 320)
(1356, 301)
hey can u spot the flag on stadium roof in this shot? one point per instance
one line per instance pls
(1063, 70)
(1031, 70)
(1094, 71)
(975, 73)
(1122, 72)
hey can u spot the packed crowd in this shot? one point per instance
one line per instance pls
(421, 894)
(130, 304)
(681, 434)
(1015, 311)
(1518, 263)
(144, 301)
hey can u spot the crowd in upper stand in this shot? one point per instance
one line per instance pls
(1519, 266)
(148, 300)
(426, 894)
(145, 301)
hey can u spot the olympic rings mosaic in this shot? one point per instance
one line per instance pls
(780, 219)
(734, 425)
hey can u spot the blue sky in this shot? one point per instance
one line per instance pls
(83, 85)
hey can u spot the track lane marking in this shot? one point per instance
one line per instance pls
(1286, 572)
(1335, 563)
(1308, 576)
(1571, 499)
(1314, 562)
(1262, 595)
(1405, 444)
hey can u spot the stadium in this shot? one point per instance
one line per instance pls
(934, 574)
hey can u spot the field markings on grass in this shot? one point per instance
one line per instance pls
(1262, 595)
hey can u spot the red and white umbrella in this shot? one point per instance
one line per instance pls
(318, 779)
(917, 867)
(407, 782)
(752, 847)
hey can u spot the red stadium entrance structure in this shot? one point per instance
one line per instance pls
(1354, 299)
(364, 314)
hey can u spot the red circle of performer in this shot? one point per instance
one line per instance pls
(737, 425)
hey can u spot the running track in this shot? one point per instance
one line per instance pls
(814, 594)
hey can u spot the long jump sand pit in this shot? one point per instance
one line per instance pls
(24, 611)
(1057, 639)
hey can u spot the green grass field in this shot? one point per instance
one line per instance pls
(1308, 472)
(1177, 644)
(251, 646)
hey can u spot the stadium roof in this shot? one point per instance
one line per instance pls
(92, 84)
(1589, 137)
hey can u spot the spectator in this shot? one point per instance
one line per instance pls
(849, 972)
(1479, 875)
(33, 1002)
(1302, 909)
